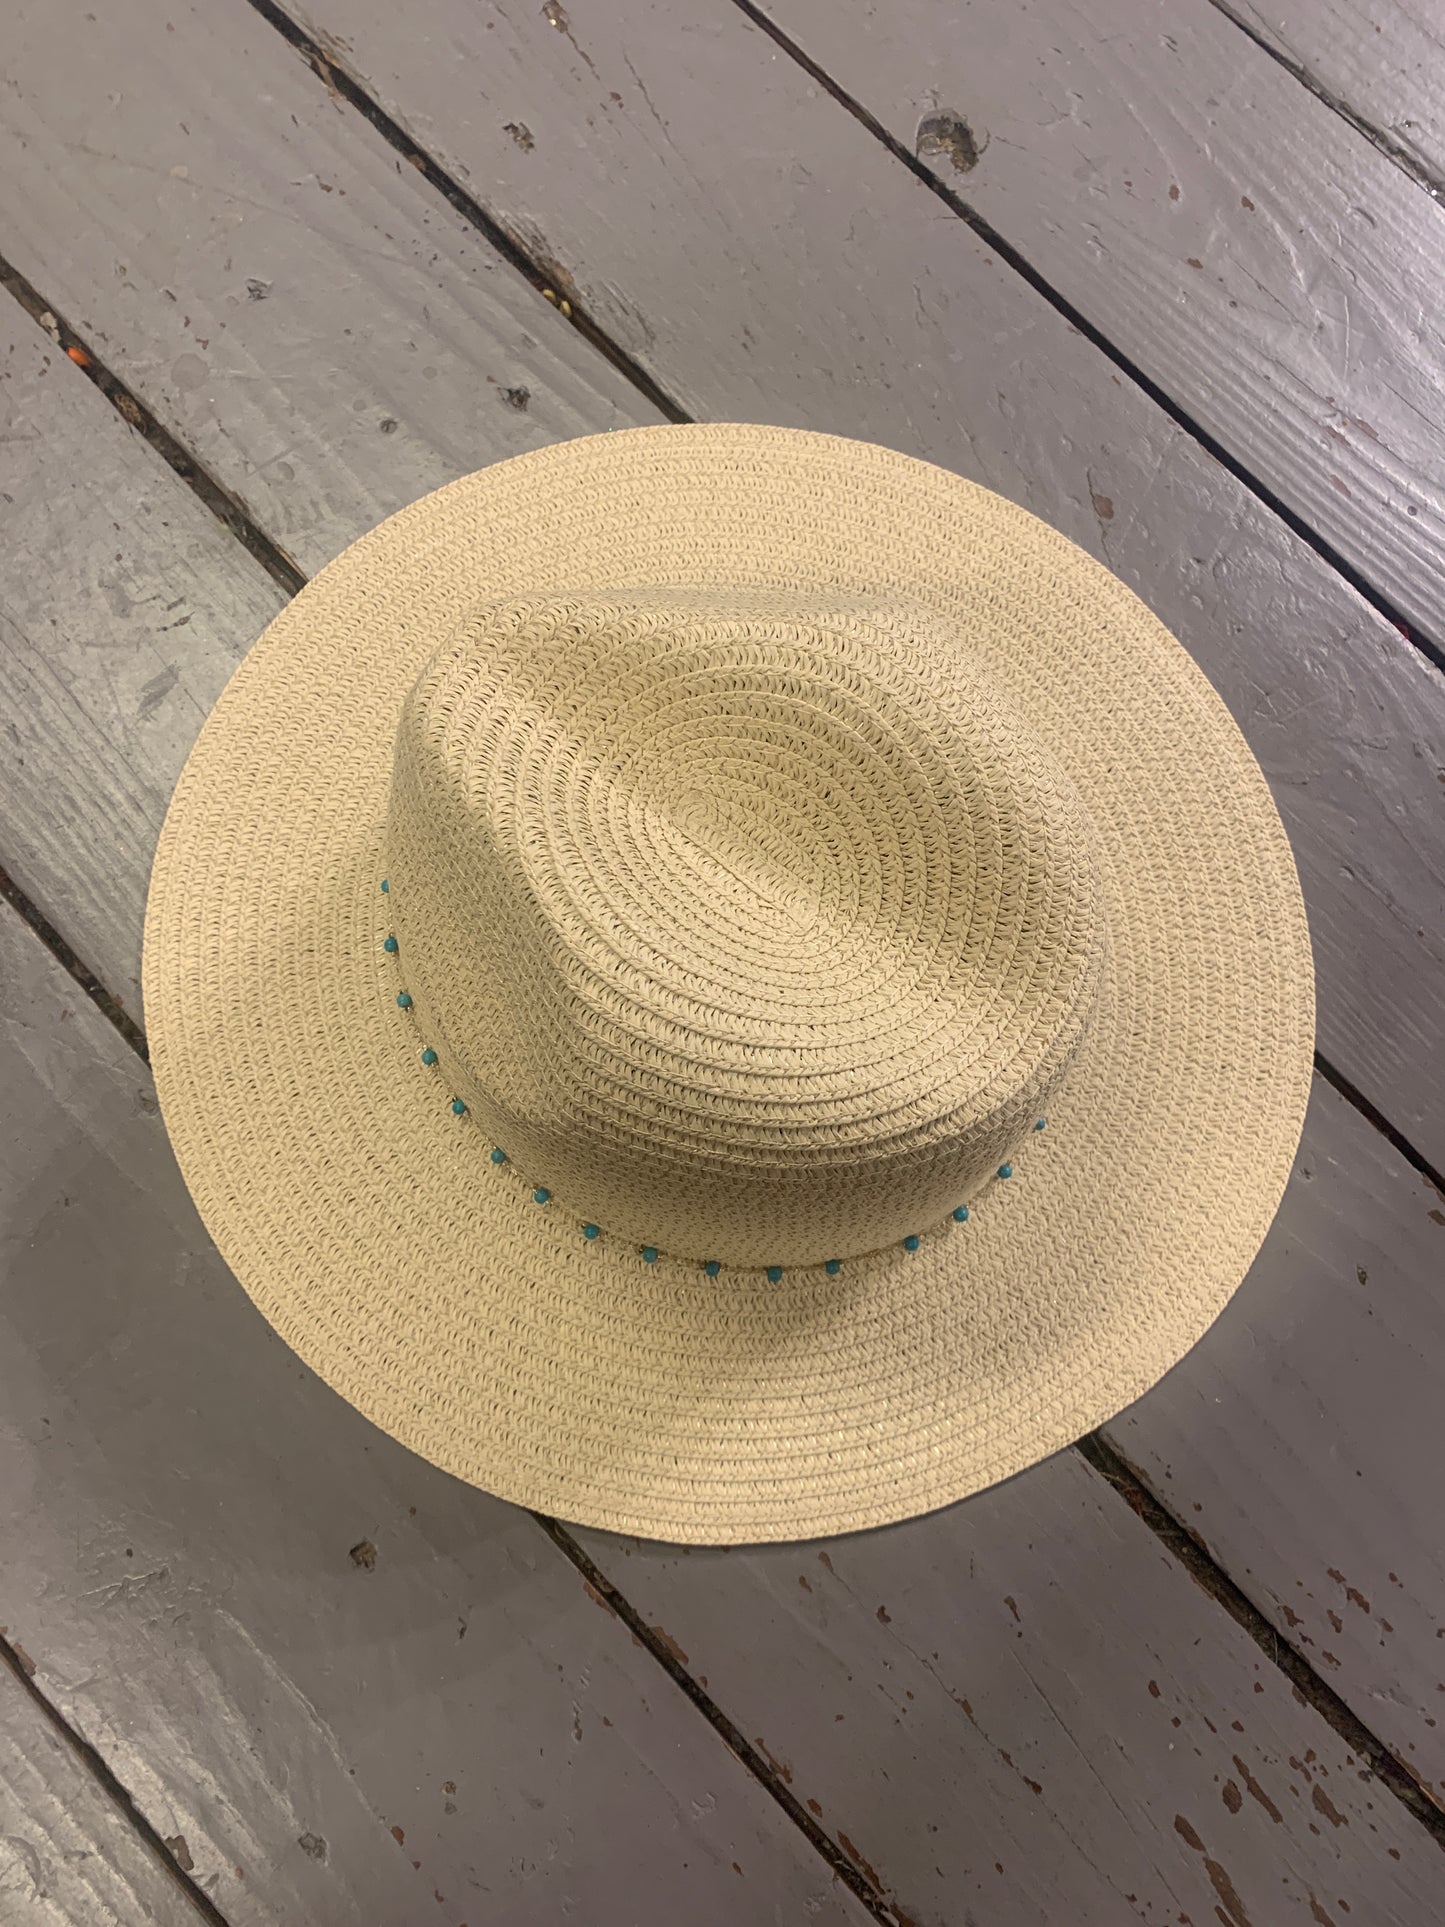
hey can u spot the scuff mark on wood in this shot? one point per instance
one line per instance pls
(947, 136)
(784, 1773)
(1322, 1803)
(868, 1872)
(1231, 1909)
(666, 1639)
(1257, 1790)
(556, 16)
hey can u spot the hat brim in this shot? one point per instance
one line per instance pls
(481, 1329)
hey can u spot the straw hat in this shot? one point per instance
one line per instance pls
(728, 984)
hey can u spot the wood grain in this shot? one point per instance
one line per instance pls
(763, 256)
(1313, 1405)
(289, 297)
(1384, 62)
(1252, 254)
(124, 607)
(1012, 1717)
(69, 1856)
(360, 1690)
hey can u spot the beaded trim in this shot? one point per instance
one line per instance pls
(650, 1253)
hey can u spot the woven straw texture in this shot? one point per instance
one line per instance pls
(775, 828)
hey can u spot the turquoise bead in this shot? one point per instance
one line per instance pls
(775, 1273)
(911, 1242)
(833, 1267)
(428, 1056)
(498, 1156)
(541, 1194)
(458, 1108)
(385, 886)
(649, 1254)
(391, 946)
(403, 997)
(960, 1216)
(712, 1267)
(1005, 1170)
(590, 1231)
(1041, 1123)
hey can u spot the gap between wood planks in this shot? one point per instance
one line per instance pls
(334, 76)
(543, 278)
(1421, 175)
(16, 1659)
(231, 510)
(1078, 320)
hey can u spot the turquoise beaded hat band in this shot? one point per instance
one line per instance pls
(712, 1267)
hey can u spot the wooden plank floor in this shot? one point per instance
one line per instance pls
(1280, 299)
(1192, 1674)
(68, 1851)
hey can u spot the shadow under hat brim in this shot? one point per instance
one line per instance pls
(422, 1282)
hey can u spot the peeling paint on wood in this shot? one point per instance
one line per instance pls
(1004, 1710)
(1307, 1425)
(69, 1856)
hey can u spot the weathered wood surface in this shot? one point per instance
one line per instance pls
(290, 297)
(1301, 1438)
(69, 1856)
(763, 255)
(448, 1731)
(1252, 254)
(1003, 1728)
(124, 607)
(1384, 61)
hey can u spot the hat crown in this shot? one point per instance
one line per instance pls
(756, 929)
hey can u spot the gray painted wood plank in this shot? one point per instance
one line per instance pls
(764, 256)
(137, 898)
(1256, 257)
(289, 297)
(452, 1732)
(124, 607)
(1302, 1437)
(69, 1857)
(1003, 1727)
(1384, 61)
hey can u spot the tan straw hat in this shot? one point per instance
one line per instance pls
(725, 983)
